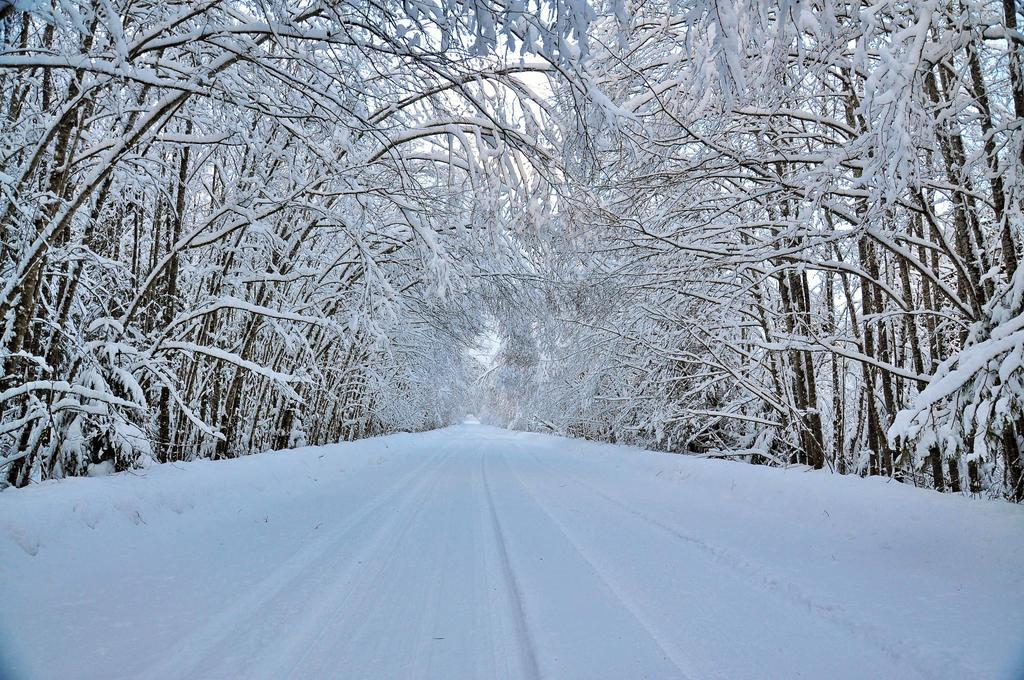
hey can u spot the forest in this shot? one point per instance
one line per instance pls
(787, 232)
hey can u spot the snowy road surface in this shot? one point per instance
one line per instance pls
(474, 552)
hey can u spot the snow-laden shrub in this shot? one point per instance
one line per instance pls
(975, 399)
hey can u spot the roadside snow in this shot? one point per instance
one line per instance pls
(473, 552)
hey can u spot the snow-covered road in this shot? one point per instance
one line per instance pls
(474, 552)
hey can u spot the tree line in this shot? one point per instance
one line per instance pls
(781, 232)
(799, 240)
(233, 226)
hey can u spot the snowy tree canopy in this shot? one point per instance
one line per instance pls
(782, 232)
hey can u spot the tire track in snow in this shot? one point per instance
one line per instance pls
(435, 563)
(190, 652)
(671, 653)
(484, 541)
(380, 551)
(928, 663)
(527, 649)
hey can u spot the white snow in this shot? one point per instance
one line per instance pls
(473, 552)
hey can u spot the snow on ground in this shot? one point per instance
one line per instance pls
(474, 552)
